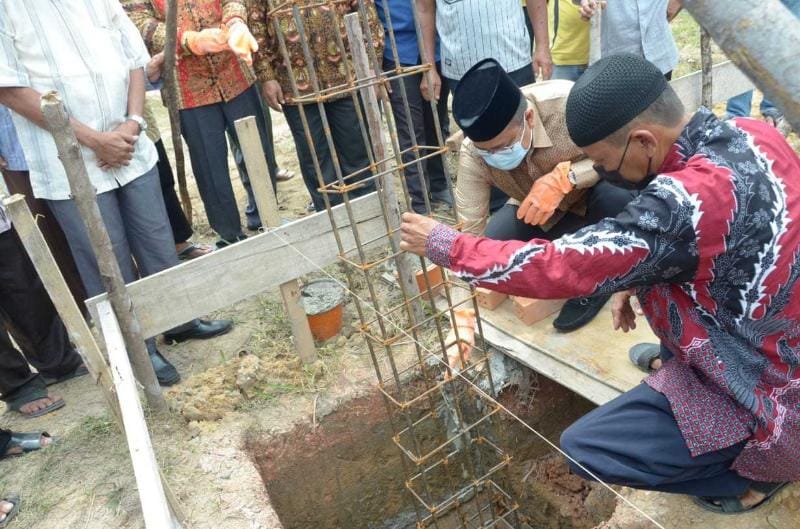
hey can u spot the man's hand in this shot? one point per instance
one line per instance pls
(424, 86)
(542, 64)
(241, 42)
(622, 312)
(588, 8)
(113, 149)
(464, 321)
(414, 232)
(209, 40)
(273, 94)
(154, 67)
(546, 194)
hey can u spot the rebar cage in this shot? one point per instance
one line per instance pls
(456, 473)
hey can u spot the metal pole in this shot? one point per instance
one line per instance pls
(761, 37)
(707, 63)
(57, 123)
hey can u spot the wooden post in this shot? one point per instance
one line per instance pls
(595, 33)
(148, 478)
(170, 97)
(386, 185)
(760, 37)
(77, 329)
(57, 123)
(707, 63)
(267, 203)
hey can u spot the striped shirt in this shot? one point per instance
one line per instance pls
(84, 49)
(473, 30)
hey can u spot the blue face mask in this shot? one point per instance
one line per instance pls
(509, 157)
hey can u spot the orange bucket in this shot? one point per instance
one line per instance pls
(323, 301)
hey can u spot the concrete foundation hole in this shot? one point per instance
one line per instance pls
(347, 473)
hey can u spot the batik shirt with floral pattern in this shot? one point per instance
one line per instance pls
(713, 246)
(324, 29)
(202, 80)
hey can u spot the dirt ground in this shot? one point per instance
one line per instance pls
(249, 384)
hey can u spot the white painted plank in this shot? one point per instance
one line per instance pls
(728, 81)
(145, 468)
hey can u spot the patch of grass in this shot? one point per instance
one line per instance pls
(93, 427)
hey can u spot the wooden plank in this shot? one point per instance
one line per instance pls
(385, 183)
(267, 202)
(250, 267)
(155, 508)
(728, 81)
(595, 34)
(592, 361)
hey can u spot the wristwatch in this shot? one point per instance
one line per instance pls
(139, 121)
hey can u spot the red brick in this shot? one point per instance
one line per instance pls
(530, 310)
(489, 299)
(435, 278)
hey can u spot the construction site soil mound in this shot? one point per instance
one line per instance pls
(347, 473)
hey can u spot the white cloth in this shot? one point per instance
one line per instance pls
(5, 222)
(85, 50)
(639, 27)
(473, 30)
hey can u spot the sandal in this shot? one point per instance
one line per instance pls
(79, 371)
(283, 175)
(733, 505)
(27, 442)
(14, 499)
(643, 354)
(30, 393)
(188, 253)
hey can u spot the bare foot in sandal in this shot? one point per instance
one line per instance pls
(36, 407)
(8, 509)
(22, 442)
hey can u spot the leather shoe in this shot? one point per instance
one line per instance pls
(203, 330)
(166, 373)
(578, 312)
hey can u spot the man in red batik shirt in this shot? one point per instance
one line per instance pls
(711, 247)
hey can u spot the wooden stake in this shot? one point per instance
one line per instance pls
(155, 508)
(57, 123)
(405, 272)
(267, 203)
(77, 329)
(170, 97)
(707, 63)
(595, 33)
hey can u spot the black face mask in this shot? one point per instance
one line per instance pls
(615, 178)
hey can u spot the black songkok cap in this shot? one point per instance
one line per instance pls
(485, 100)
(609, 95)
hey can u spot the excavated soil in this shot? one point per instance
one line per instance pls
(346, 472)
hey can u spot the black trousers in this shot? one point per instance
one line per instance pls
(347, 141)
(432, 179)
(204, 130)
(635, 441)
(181, 229)
(27, 313)
(5, 437)
(603, 200)
(522, 77)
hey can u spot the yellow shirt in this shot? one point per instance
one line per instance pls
(570, 43)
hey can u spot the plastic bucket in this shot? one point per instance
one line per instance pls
(323, 301)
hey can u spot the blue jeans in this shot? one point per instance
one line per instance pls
(570, 72)
(740, 105)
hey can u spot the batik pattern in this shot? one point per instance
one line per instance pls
(712, 244)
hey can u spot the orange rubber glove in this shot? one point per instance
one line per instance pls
(209, 40)
(241, 42)
(465, 322)
(546, 194)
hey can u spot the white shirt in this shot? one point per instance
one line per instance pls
(85, 50)
(473, 30)
(639, 27)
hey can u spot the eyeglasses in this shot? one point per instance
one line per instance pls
(507, 148)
